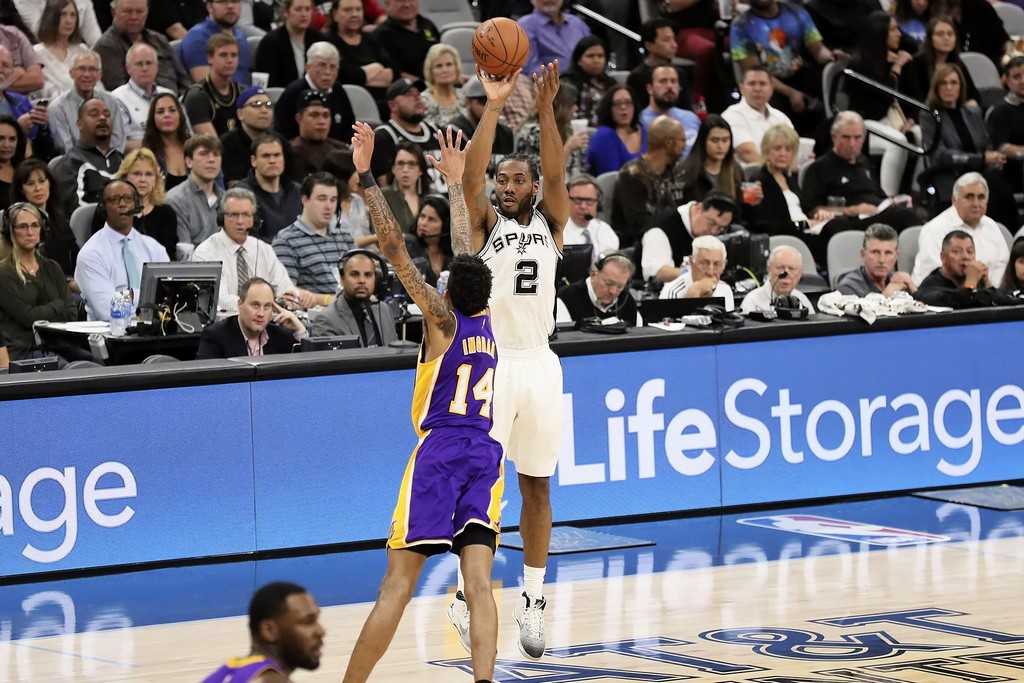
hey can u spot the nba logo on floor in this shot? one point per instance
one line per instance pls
(843, 530)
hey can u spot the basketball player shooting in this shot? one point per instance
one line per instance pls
(522, 245)
(450, 497)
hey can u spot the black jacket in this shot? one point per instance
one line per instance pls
(576, 298)
(225, 340)
(274, 56)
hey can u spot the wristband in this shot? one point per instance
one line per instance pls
(327, 299)
(366, 180)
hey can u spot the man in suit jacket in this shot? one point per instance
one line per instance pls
(602, 295)
(250, 333)
(353, 313)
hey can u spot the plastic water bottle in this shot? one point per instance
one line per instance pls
(701, 109)
(684, 267)
(442, 282)
(118, 321)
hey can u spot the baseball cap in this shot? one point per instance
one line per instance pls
(402, 86)
(311, 98)
(473, 88)
(248, 94)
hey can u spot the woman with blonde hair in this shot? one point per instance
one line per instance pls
(442, 71)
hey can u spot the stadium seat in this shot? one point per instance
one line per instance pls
(1012, 17)
(606, 181)
(619, 76)
(831, 72)
(908, 248)
(176, 47)
(363, 104)
(81, 223)
(462, 40)
(448, 14)
(274, 93)
(985, 76)
(1007, 235)
(254, 44)
(843, 254)
(810, 276)
(54, 161)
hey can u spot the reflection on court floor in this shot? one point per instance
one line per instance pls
(804, 597)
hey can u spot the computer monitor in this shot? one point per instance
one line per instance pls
(745, 251)
(343, 341)
(576, 260)
(179, 297)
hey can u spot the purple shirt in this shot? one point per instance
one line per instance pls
(550, 41)
(243, 669)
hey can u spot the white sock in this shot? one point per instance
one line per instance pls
(461, 581)
(533, 580)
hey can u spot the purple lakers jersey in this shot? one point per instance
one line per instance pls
(242, 669)
(455, 389)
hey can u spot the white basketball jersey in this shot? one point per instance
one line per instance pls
(523, 261)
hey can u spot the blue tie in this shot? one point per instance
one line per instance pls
(130, 267)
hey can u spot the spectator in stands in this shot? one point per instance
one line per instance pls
(583, 227)
(775, 35)
(694, 22)
(194, 51)
(322, 75)
(137, 94)
(619, 137)
(553, 34)
(195, 200)
(670, 238)
(365, 50)
(752, 116)
(603, 295)
(659, 41)
(32, 286)
(430, 246)
(255, 113)
(13, 146)
(33, 120)
(352, 216)
(704, 277)
(846, 174)
(913, 17)
(442, 98)
(587, 75)
(128, 29)
(962, 280)
(662, 93)
(311, 247)
(409, 35)
(35, 183)
(785, 268)
(939, 48)
(967, 213)
(355, 312)
(409, 183)
(474, 100)
(1013, 277)
(980, 29)
(527, 138)
(292, 38)
(841, 22)
(87, 166)
(278, 202)
(166, 134)
(651, 182)
(242, 256)
(85, 72)
(312, 145)
(407, 123)
(174, 19)
(210, 103)
(1005, 123)
(250, 333)
(963, 145)
(157, 219)
(59, 41)
(32, 11)
(712, 165)
(877, 273)
(111, 261)
(27, 76)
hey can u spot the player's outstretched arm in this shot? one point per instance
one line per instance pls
(390, 239)
(452, 166)
(555, 204)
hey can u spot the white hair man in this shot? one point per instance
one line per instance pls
(136, 95)
(703, 280)
(785, 268)
(967, 213)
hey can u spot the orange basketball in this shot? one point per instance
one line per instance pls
(500, 46)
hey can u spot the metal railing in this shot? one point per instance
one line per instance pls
(904, 100)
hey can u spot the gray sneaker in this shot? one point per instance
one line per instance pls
(529, 615)
(458, 614)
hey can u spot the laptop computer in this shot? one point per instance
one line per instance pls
(656, 310)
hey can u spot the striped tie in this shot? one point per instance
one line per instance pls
(243, 268)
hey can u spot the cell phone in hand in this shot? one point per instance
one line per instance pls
(42, 103)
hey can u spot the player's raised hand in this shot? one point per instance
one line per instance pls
(547, 84)
(453, 158)
(498, 89)
(362, 146)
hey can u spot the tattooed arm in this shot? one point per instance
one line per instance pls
(392, 244)
(452, 166)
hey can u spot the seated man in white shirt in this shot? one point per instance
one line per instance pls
(137, 94)
(703, 280)
(672, 231)
(582, 227)
(970, 202)
(242, 256)
(752, 116)
(785, 268)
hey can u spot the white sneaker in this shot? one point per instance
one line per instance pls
(458, 614)
(529, 615)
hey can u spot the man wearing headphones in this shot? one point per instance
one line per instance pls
(603, 295)
(582, 227)
(785, 268)
(360, 309)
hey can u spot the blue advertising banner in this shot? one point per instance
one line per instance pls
(101, 480)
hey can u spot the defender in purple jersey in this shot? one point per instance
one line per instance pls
(284, 622)
(450, 497)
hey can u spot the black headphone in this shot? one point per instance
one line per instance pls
(720, 316)
(257, 217)
(788, 307)
(136, 197)
(604, 258)
(381, 272)
(6, 223)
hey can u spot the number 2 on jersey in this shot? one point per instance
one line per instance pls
(526, 277)
(483, 390)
